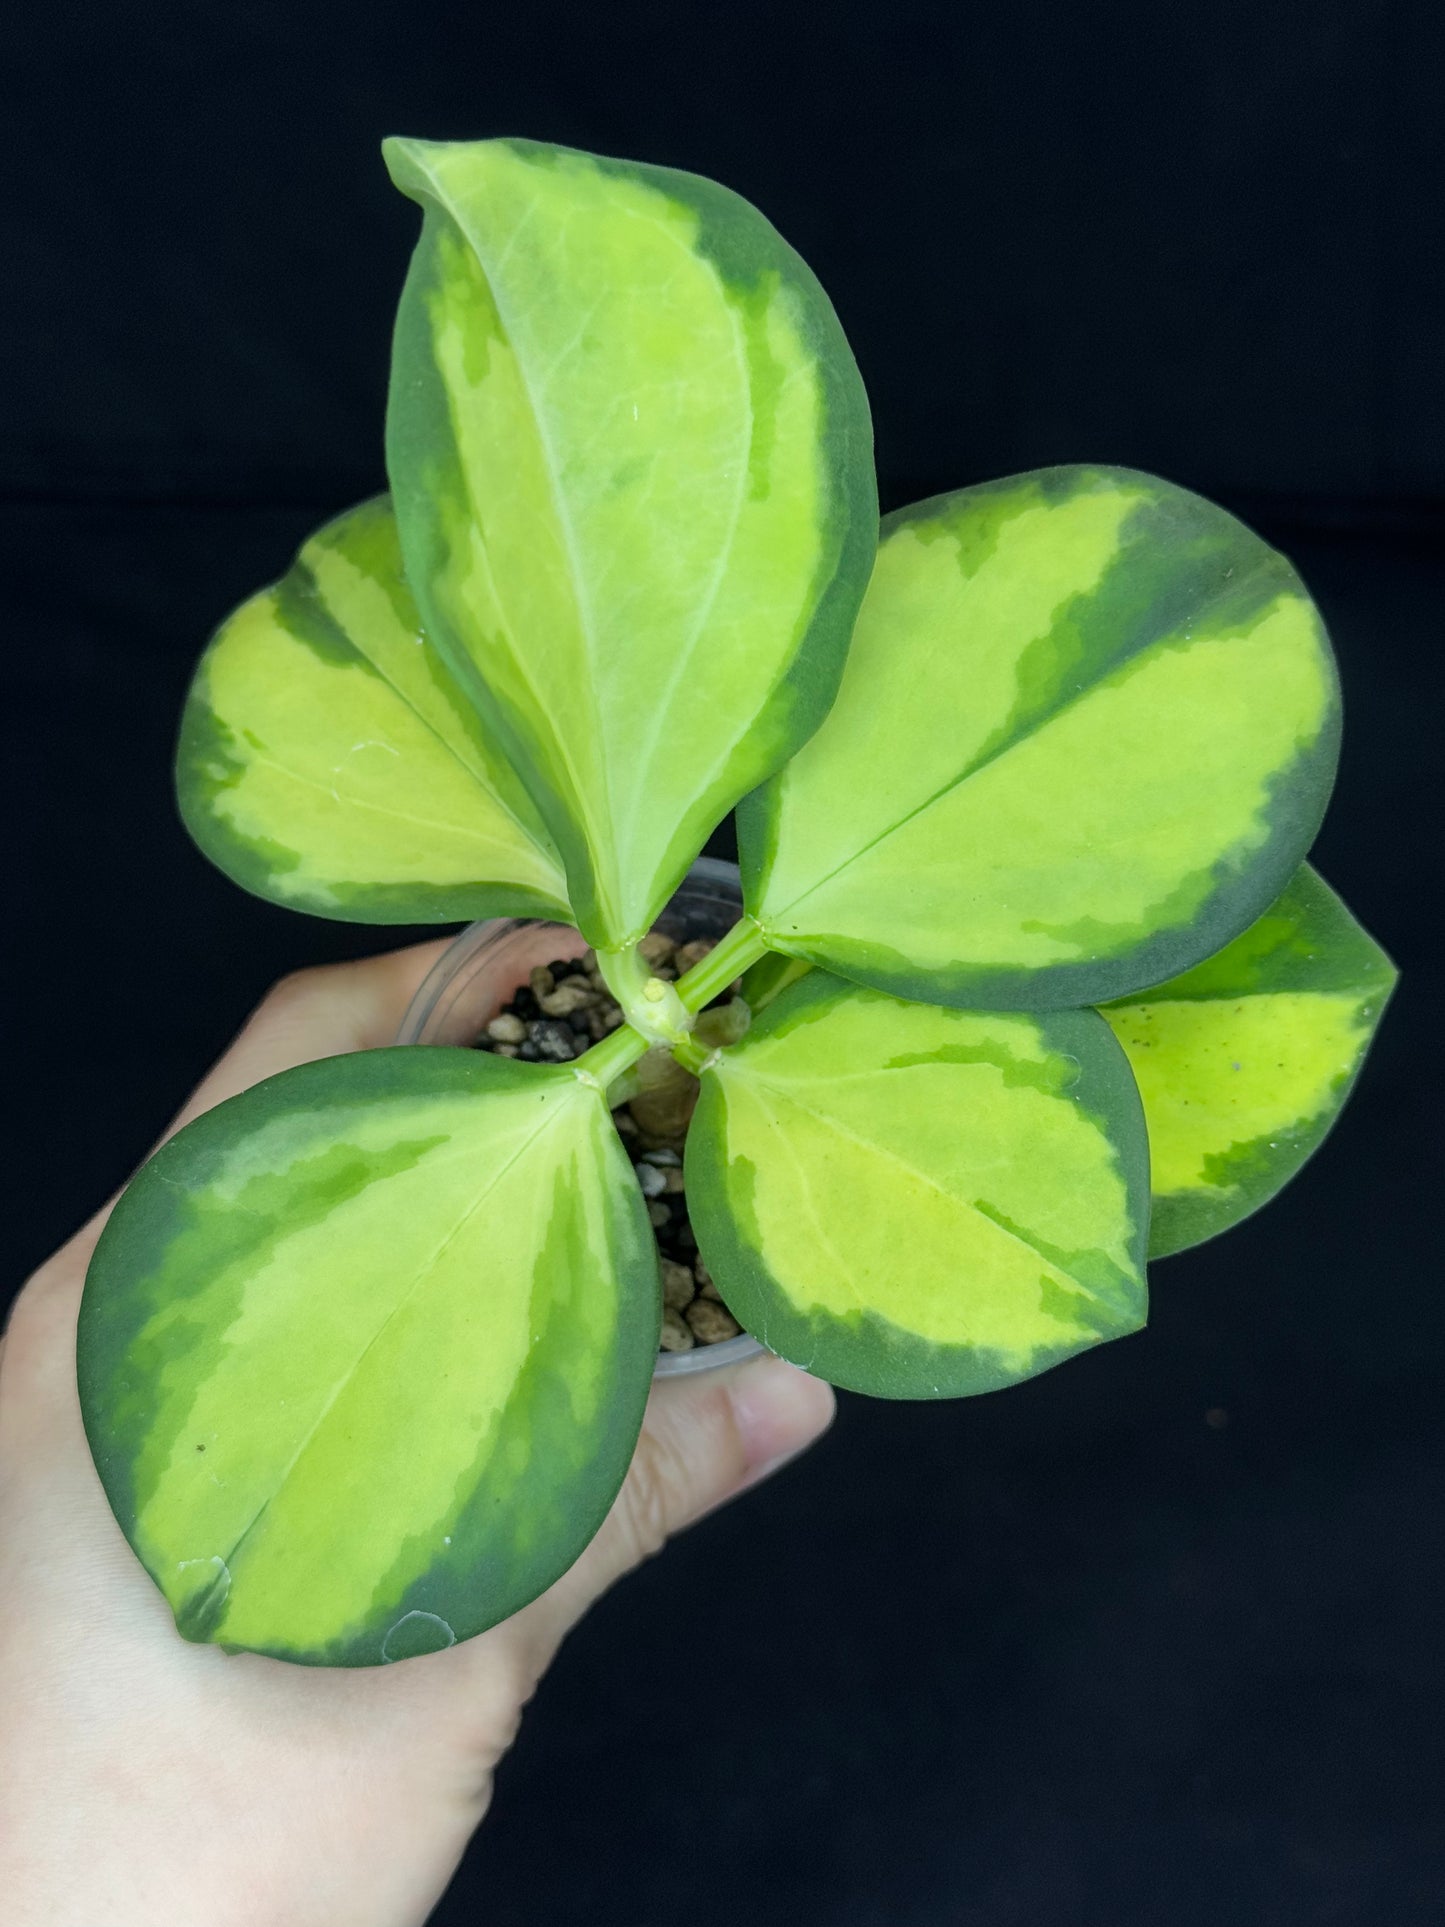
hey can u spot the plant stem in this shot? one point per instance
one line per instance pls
(614, 1056)
(651, 1005)
(693, 1054)
(729, 958)
(663, 1013)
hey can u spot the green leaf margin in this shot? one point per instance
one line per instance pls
(150, 1214)
(907, 1366)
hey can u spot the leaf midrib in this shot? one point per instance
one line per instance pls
(424, 1271)
(684, 656)
(581, 597)
(833, 1124)
(380, 809)
(581, 600)
(1132, 663)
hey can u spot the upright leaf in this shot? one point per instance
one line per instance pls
(329, 762)
(1087, 730)
(1245, 1061)
(631, 459)
(921, 1202)
(363, 1352)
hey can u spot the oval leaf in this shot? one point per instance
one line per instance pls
(329, 762)
(631, 458)
(363, 1352)
(1245, 1062)
(1087, 730)
(920, 1202)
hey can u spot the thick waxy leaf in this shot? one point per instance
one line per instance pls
(363, 1352)
(328, 760)
(1087, 730)
(921, 1202)
(1244, 1062)
(631, 458)
(770, 976)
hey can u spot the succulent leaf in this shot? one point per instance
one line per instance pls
(1087, 730)
(329, 762)
(632, 463)
(363, 1352)
(921, 1202)
(1245, 1062)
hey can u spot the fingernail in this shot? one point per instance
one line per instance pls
(779, 1410)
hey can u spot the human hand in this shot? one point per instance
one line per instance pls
(143, 1779)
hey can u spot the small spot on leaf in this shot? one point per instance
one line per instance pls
(416, 1633)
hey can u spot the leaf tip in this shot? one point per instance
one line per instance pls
(409, 163)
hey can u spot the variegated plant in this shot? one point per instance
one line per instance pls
(364, 1351)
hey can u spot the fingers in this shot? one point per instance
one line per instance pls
(318, 1013)
(704, 1441)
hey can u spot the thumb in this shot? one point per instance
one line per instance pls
(705, 1439)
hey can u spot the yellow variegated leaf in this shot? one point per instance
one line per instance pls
(917, 1201)
(363, 1352)
(1087, 730)
(631, 458)
(328, 760)
(1244, 1062)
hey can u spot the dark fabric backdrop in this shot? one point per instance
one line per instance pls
(1150, 1642)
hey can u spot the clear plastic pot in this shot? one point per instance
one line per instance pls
(478, 973)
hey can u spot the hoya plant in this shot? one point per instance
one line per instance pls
(1039, 984)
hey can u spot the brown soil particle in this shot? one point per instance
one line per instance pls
(569, 997)
(675, 1336)
(679, 1287)
(710, 1323)
(688, 954)
(656, 949)
(560, 1012)
(541, 982)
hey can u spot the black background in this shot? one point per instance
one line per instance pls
(1078, 1655)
